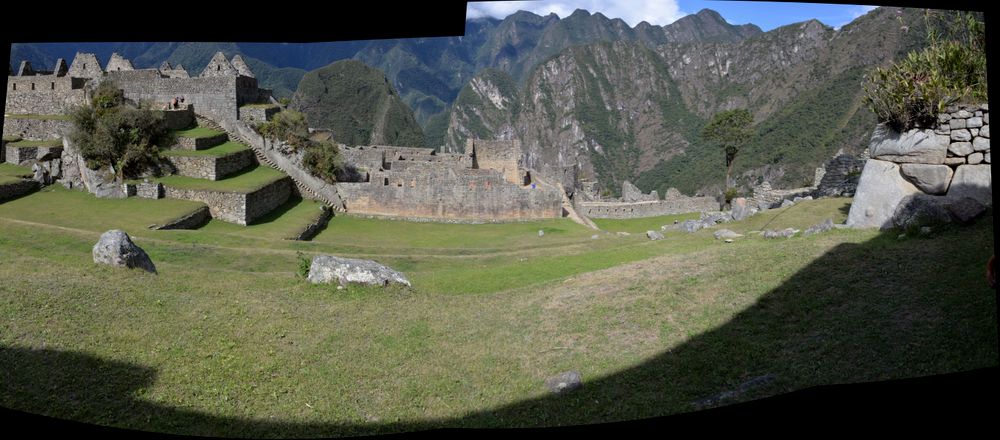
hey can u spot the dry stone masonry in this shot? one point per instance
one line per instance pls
(923, 174)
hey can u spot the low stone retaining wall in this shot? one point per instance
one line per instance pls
(212, 167)
(258, 115)
(179, 119)
(17, 189)
(193, 220)
(186, 143)
(669, 206)
(36, 129)
(235, 207)
(317, 225)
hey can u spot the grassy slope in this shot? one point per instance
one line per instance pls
(48, 143)
(227, 341)
(197, 132)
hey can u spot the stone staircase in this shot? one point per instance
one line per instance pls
(304, 190)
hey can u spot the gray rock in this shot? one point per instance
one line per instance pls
(973, 181)
(631, 193)
(974, 132)
(984, 108)
(786, 233)
(944, 117)
(710, 219)
(975, 158)
(925, 230)
(594, 237)
(986, 157)
(653, 235)
(116, 248)
(327, 268)
(974, 122)
(920, 210)
(786, 203)
(826, 225)
(914, 146)
(692, 225)
(944, 129)
(564, 382)
(985, 131)
(960, 148)
(986, 118)
(965, 209)
(978, 113)
(541, 232)
(931, 179)
(879, 192)
(956, 124)
(961, 135)
(980, 144)
(964, 114)
(741, 209)
(726, 234)
(623, 234)
(954, 160)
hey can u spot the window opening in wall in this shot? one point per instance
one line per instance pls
(218, 68)
(386, 182)
(84, 65)
(53, 85)
(32, 86)
(15, 86)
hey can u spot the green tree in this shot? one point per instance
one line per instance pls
(321, 158)
(730, 129)
(111, 132)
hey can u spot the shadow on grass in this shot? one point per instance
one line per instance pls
(276, 213)
(882, 310)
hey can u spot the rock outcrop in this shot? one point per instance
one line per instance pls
(116, 248)
(327, 269)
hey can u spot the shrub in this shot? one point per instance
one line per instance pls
(111, 132)
(321, 159)
(288, 126)
(951, 69)
(304, 264)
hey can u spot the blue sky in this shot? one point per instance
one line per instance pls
(767, 15)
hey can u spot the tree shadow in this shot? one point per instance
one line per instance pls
(883, 310)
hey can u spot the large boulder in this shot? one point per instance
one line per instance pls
(116, 248)
(726, 234)
(921, 210)
(931, 179)
(913, 146)
(327, 268)
(653, 235)
(972, 181)
(741, 209)
(564, 382)
(879, 192)
(692, 225)
(826, 225)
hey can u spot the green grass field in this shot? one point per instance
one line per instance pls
(227, 339)
(197, 132)
(47, 143)
(218, 150)
(45, 117)
(246, 181)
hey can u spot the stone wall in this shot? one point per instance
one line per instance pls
(938, 165)
(668, 206)
(839, 176)
(212, 167)
(765, 197)
(17, 189)
(213, 96)
(239, 208)
(149, 190)
(179, 119)
(43, 102)
(186, 143)
(192, 220)
(256, 114)
(450, 194)
(503, 156)
(36, 129)
(17, 155)
(316, 226)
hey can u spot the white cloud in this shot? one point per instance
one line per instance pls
(855, 12)
(658, 12)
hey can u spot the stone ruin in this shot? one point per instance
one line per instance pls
(938, 173)
(635, 204)
(486, 183)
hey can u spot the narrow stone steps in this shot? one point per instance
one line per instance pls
(262, 158)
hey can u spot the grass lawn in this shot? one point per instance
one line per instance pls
(267, 105)
(197, 132)
(46, 143)
(11, 138)
(9, 169)
(218, 150)
(228, 341)
(641, 225)
(34, 116)
(246, 181)
(52, 204)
